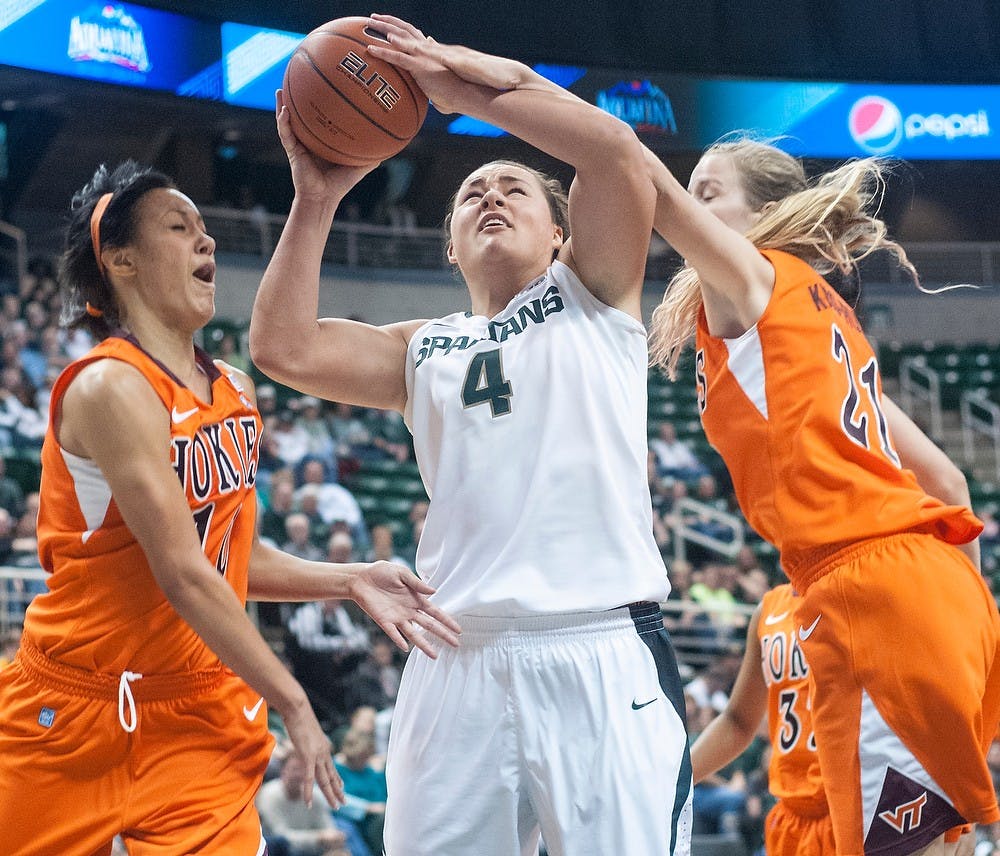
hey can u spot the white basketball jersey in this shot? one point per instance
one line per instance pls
(530, 433)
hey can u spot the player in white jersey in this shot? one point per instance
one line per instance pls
(561, 712)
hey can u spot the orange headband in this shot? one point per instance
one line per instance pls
(95, 229)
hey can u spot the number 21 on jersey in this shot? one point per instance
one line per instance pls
(861, 399)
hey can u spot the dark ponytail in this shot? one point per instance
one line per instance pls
(88, 299)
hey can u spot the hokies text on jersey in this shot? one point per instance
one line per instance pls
(218, 458)
(782, 657)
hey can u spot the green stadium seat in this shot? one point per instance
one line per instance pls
(364, 482)
(367, 502)
(984, 495)
(405, 486)
(26, 469)
(662, 410)
(396, 507)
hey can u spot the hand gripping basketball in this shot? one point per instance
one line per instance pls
(345, 104)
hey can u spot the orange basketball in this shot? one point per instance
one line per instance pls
(347, 106)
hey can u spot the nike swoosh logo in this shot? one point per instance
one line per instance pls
(774, 619)
(178, 416)
(641, 706)
(806, 632)
(251, 712)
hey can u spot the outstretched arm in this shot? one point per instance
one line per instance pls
(392, 595)
(731, 731)
(736, 280)
(396, 599)
(111, 416)
(611, 202)
(332, 358)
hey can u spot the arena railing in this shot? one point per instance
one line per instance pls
(352, 245)
(919, 383)
(363, 245)
(701, 633)
(17, 588)
(683, 532)
(14, 247)
(980, 416)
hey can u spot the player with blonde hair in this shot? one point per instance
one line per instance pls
(871, 519)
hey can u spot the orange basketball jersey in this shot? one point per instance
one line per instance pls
(793, 774)
(104, 610)
(793, 406)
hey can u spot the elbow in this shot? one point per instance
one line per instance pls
(953, 487)
(274, 355)
(611, 143)
(625, 145)
(260, 348)
(182, 583)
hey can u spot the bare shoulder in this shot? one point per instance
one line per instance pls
(405, 330)
(106, 383)
(102, 396)
(240, 377)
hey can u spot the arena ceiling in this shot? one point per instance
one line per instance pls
(902, 40)
(68, 126)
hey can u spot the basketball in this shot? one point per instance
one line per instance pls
(347, 106)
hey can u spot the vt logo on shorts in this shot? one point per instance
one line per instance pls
(908, 816)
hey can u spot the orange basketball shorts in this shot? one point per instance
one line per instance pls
(901, 636)
(787, 833)
(182, 782)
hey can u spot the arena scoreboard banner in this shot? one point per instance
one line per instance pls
(674, 113)
(132, 45)
(253, 63)
(121, 43)
(838, 120)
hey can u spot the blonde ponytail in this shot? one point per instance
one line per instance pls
(831, 223)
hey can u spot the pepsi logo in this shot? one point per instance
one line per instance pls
(875, 124)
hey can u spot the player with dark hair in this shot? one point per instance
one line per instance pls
(135, 705)
(561, 712)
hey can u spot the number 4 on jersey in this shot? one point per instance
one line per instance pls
(485, 383)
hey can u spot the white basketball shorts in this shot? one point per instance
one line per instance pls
(566, 726)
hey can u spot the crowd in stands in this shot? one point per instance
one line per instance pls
(33, 350)
(310, 453)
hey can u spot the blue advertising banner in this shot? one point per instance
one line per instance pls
(253, 63)
(838, 120)
(114, 42)
(129, 44)
(810, 118)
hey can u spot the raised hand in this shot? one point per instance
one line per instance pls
(398, 602)
(444, 71)
(312, 175)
